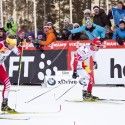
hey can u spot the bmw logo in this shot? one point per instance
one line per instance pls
(82, 81)
(51, 81)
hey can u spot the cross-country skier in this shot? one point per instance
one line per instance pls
(82, 69)
(5, 49)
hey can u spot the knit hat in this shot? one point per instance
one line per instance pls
(121, 21)
(96, 7)
(87, 11)
(12, 42)
(76, 25)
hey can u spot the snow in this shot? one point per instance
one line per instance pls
(95, 113)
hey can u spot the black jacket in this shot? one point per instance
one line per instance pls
(101, 19)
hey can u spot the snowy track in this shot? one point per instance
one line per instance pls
(71, 113)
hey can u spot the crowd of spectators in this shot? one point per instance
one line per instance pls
(95, 23)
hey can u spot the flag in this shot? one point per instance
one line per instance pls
(118, 14)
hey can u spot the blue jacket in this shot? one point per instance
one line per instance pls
(97, 32)
(119, 34)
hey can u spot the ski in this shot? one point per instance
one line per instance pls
(31, 113)
(117, 100)
(100, 100)
(13, 117)
(36, 113)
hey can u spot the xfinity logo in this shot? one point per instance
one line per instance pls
(25, 59)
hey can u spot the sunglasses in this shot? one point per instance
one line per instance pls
(97, 46)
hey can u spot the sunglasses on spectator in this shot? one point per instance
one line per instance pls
(46, 27)
(98, 46)
(86, 13)
(76, 26)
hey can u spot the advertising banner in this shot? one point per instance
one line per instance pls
(58, 56)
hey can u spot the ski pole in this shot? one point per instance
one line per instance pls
(41, 94)
(19, 75)
(65, 92)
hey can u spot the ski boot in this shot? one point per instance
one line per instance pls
(87, 96)
(5, 108)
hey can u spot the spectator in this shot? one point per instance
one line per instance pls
(75, 36)
(21, 36)
(109, 33)
(92, 30)
(100, 18)
(50, 36)
(2, 34)
(119, 34)
(67, 25)
(120, 6)
(87, 15)
(65, 34)
(11, 27)
(30, 37)
(41, 36)
(51, 24)
(26, 44)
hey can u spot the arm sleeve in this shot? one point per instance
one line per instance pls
(105, 19)
(16, 51)
(5, 27)
(1, 46)
(114, 35)
(14, 27)
(77, 30)
(102, 31)
(51, 38)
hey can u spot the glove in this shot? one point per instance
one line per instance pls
(95, 65)
(102, 40)
(120, 41)
(36, 43)
(74, 75)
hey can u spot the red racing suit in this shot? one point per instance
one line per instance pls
(4, 78)
(82, 68)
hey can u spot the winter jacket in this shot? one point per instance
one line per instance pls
(96, 31)
(11, 28)
(50, 37)
(119, 34)
(101, 19)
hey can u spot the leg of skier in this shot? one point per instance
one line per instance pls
(87, 78)
(4, 79)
